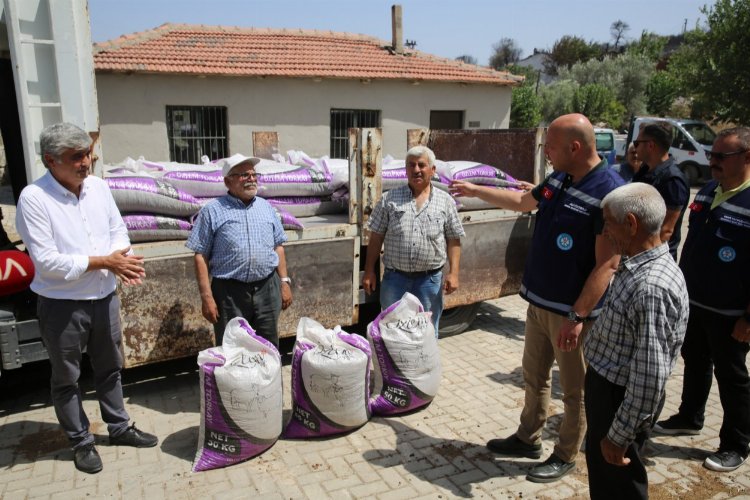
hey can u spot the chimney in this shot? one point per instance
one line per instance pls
(398, 29)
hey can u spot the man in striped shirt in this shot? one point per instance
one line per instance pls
(633, 346)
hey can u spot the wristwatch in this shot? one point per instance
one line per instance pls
(287, 280)
(573, 317)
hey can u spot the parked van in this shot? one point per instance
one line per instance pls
(690, 141)
(605, 144)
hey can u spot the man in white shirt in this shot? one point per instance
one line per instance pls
(79, 245)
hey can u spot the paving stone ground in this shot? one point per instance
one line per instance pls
(434, 453)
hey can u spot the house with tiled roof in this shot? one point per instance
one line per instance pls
(182, 91)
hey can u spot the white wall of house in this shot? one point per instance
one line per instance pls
(132, 109)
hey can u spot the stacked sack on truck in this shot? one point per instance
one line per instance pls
(483, 175)
(305, 186)
(241, 383)
(158, 200)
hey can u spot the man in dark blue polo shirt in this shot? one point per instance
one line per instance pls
(567, 272)
(716, 264)
(660, 170)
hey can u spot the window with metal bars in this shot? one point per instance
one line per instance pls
(194, 131)
(344, 119)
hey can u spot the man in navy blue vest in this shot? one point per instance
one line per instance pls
(716, 264)
(567, 272)
(660, 170)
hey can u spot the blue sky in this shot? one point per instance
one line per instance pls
(441, 27)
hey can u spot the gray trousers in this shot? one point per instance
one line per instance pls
(258, 302)
(68, 327)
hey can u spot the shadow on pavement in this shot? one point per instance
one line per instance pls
(490, 318)
(450, 463)
(29, 441)
(182, 444)
(515, 378)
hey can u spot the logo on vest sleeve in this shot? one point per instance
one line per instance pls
(547, 193)
(564, 242)
(727, 254)
(696, 207)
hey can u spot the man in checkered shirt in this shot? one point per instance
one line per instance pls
(240, 262)
(421, 230)
(633, 346)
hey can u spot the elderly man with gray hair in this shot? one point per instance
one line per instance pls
(80, 247)
(421, 230)
(633, 347)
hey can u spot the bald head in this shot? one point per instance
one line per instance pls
(576, 127)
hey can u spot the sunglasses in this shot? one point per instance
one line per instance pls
(711, 155)
(244, 175)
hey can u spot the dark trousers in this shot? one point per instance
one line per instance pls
(709, 345)
(258, 302)
(67, 327)
(608, 481)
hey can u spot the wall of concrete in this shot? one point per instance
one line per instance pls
(132, 109)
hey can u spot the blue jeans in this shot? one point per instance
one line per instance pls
(427, 288)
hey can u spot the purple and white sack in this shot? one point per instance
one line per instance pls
(308, 206)
(406, 358)
(330, 381)
(149, 227)
(241, 398)
(288, 221)
(479, 173)
(142, 194)
(300, 182)
(201, 183)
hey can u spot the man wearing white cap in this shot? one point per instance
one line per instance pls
(237, 240)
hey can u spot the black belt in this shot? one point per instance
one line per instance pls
(416, 274)
(246, 283)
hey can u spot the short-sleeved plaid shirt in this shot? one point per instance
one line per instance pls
(239, 241)
(637, 337)
(415, 240)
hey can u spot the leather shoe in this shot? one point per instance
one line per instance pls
(134, 437)
(87, 459)
(550, 470)
(514, 447)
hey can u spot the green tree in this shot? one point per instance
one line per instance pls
(626, 75)
(598, 103)
(712, 65)
(567, 51)
(650, 46)
(525, 108)
(557, 98)
(530, 74)
(661, 91)
(504, 52)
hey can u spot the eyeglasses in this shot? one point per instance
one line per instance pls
(636, 143)
(711, 155)
(244, 175)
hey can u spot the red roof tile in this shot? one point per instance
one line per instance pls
(232, 51)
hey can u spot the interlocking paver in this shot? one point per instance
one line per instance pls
(438, 451)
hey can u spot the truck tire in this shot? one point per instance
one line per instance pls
(692, 172)
(456, 320)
